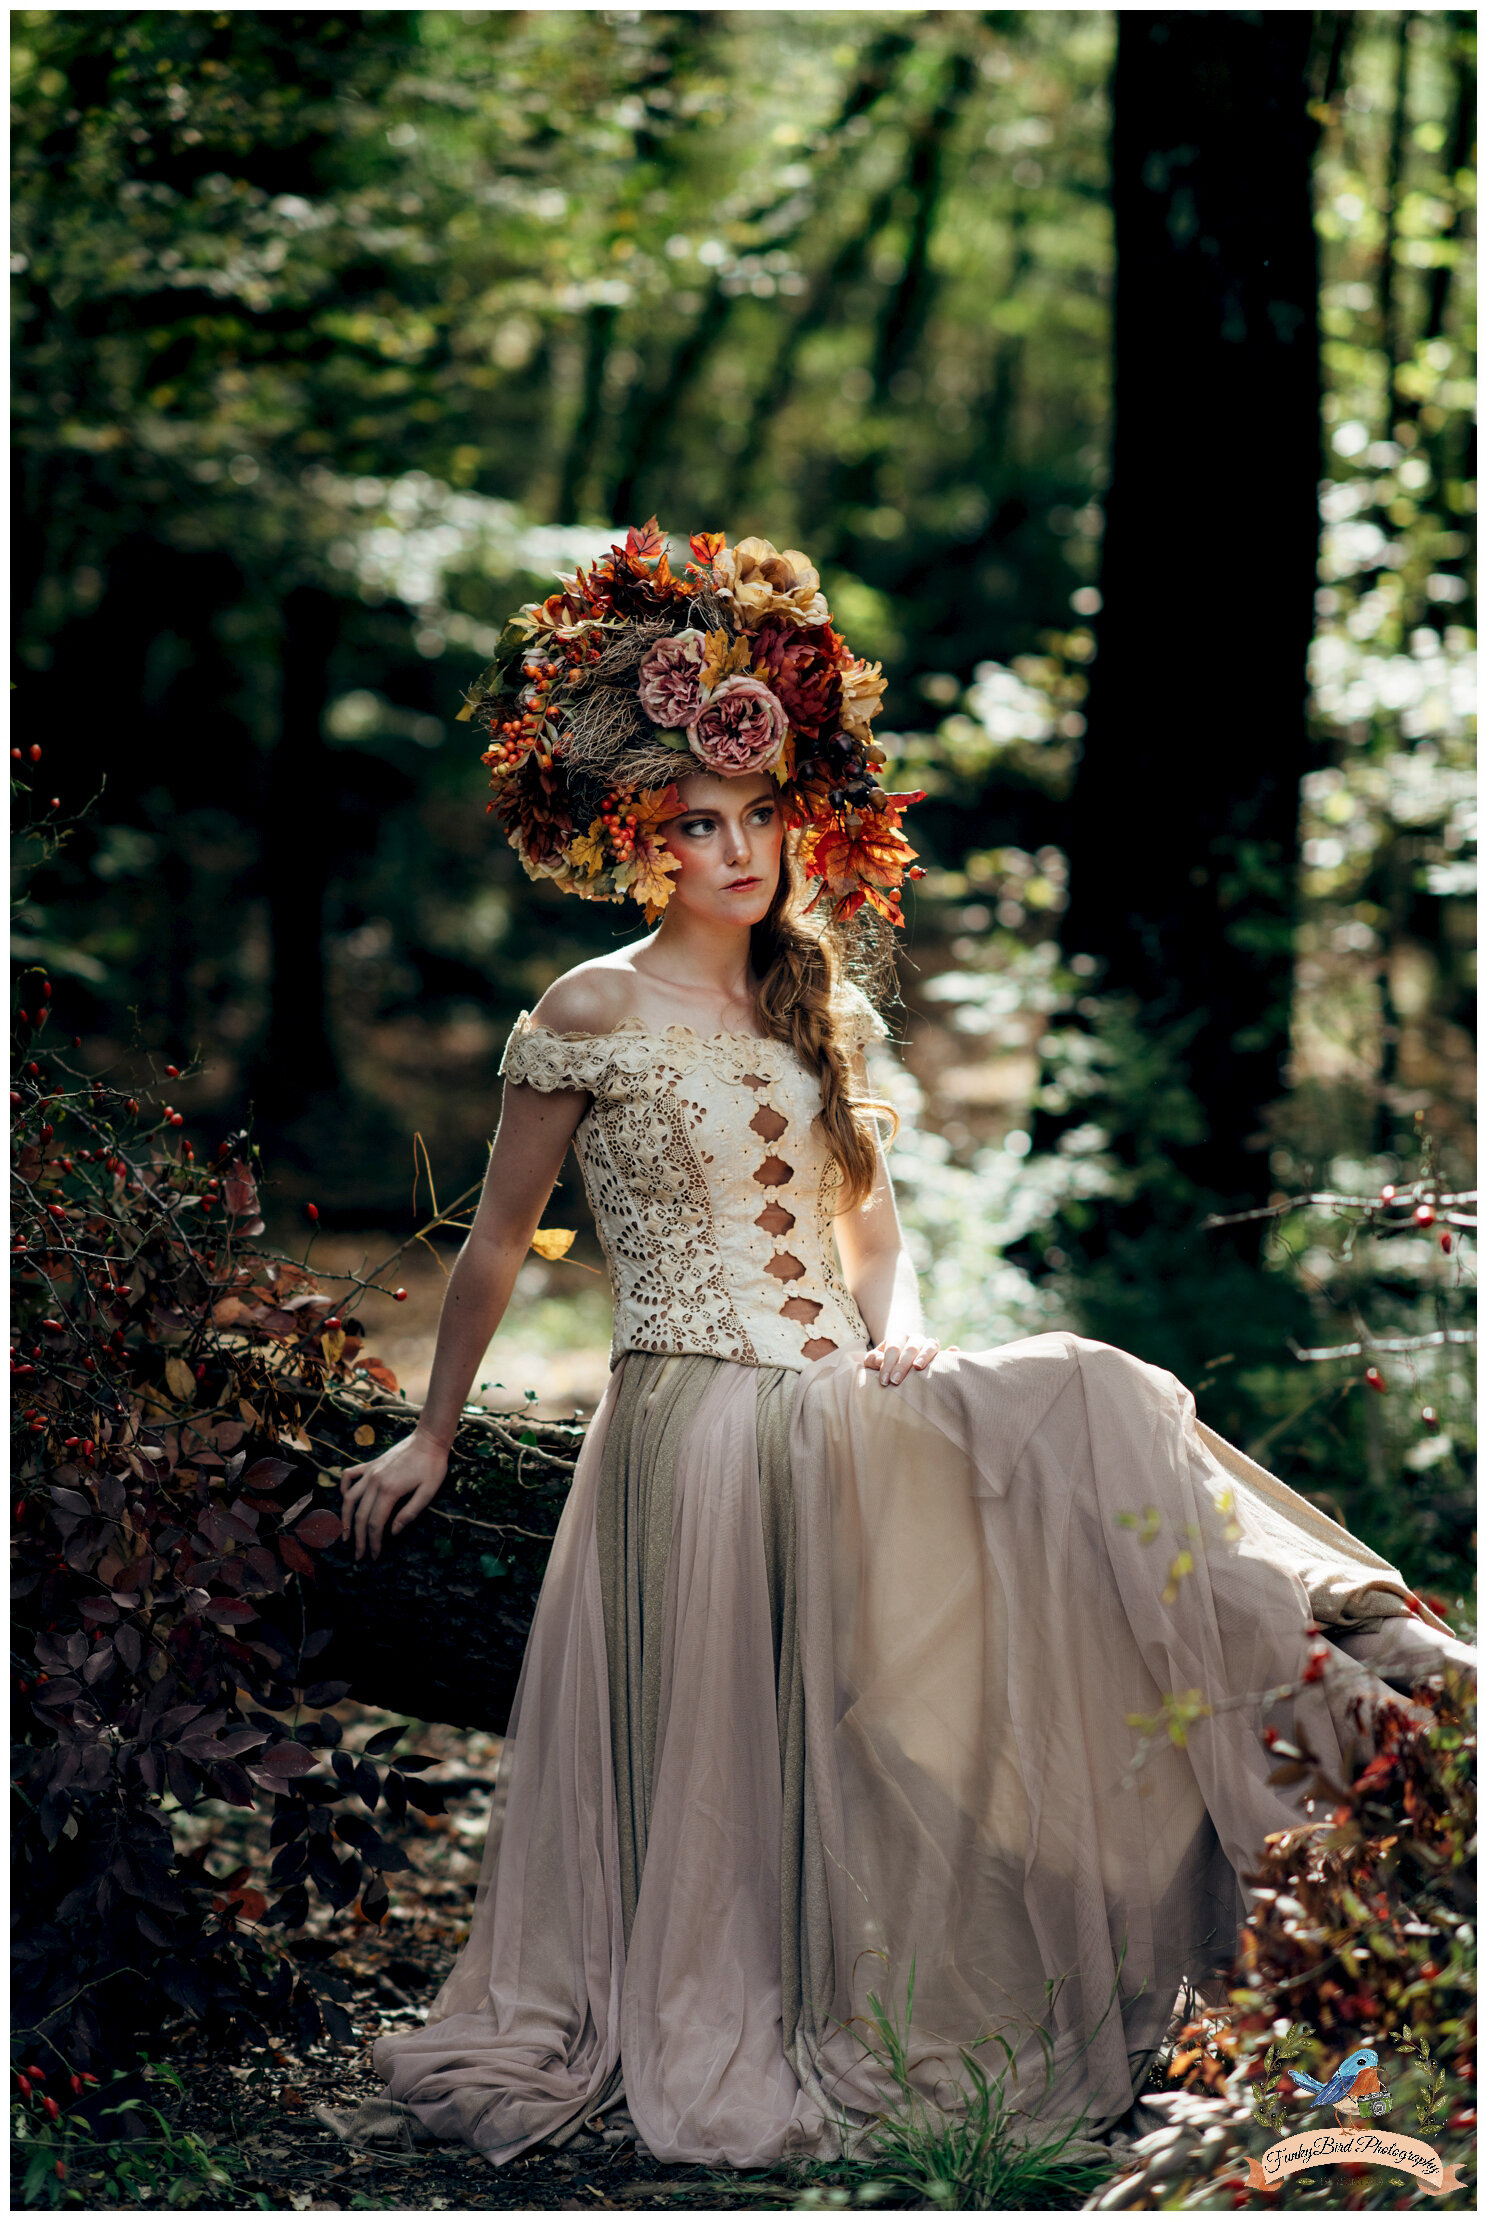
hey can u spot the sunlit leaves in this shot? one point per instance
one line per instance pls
(1179, 1712)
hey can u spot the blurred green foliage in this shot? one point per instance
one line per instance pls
(357, 300)
(407, 309)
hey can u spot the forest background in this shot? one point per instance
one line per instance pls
(1115, 370)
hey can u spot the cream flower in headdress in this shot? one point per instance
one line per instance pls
(863, 687)
(765, 583)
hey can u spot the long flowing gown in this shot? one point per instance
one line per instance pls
(834, 1692)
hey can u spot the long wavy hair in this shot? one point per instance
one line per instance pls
(800, 968)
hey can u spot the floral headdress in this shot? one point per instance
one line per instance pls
(629, 678)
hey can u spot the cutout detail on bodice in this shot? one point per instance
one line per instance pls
(682, 1132)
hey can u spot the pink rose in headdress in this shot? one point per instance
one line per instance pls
(741, 729)
(670, 691)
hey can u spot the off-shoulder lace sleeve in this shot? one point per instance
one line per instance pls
(541, 1058)
(860, 1022)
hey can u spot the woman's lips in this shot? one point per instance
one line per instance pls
(732, 886)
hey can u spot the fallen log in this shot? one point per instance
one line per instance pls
(434, 1627)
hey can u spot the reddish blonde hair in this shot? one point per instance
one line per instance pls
(799, 969)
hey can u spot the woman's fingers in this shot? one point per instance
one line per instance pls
(423, 1494)
(400, 1482)
(894, 1361)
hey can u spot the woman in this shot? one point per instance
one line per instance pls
(835, 1691)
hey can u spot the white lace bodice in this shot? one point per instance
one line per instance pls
(711, 1185)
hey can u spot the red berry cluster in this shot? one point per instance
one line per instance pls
(518, 735)
(619, 825)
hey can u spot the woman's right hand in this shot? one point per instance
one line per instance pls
(413, 1468)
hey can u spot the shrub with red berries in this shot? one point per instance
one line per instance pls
(1363, 1932)
(170, 1383)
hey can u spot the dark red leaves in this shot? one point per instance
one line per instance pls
(296, 1557)
(239, 1192)
(383, 1740)
(286, 1760)
(427, 1800)
(328, 1692)
(230, 1611)
(319, 1529)
(267, 1473)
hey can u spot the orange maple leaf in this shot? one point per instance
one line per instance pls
(651, 806)
(646, 541)
(864, 858)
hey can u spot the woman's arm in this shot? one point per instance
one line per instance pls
(526, 1158)
(881, 1276)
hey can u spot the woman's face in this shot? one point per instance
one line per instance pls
(726, 839)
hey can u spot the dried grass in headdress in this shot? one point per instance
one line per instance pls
(601, 724)
(868, 950)
(626, 650)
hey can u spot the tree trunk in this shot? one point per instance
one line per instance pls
(299, 1060)
(1389, 318)
(1184, 819)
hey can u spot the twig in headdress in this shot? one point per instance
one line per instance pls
(708, 612)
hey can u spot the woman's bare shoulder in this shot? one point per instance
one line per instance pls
(592, 998)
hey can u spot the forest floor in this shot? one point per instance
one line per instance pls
(254, 2112)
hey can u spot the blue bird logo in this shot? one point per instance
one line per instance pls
(1357, 2078)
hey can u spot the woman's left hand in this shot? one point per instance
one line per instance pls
(894, 1360)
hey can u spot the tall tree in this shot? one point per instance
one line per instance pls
(299, 1057)
(1183, 830)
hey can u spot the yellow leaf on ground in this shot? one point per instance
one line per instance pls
(364, 1437)
(553, 1242)
(180, 1379)
(332, 1344)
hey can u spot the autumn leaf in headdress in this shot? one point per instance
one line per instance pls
(587, 852)
(639, 579)
(800, 664)
(652, 807)
(647, 875)
(706, 547)
(558, 614)
(724, 657)
(648, 543)
(650, 883)
(862, 858)
(534, 806)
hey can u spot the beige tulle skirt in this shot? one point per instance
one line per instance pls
(838, 1693)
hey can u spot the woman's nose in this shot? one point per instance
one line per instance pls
(737, 843)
